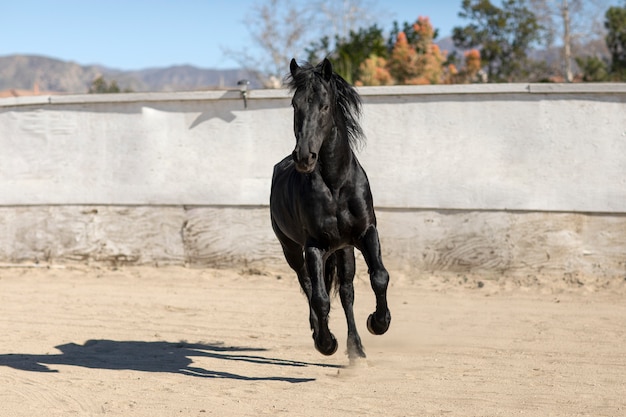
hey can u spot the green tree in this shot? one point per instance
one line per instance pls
(350, 53)
(615, 25)
(593, 68)
(413, 35)
(101, 86)
(418, 61)
(503, 36)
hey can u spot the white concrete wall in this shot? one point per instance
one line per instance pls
(141, 149)
(516, 147)
(519, 178)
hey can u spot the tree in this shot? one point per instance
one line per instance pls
(573, 26)
(411, 34)
(338, 19)
(503, 36)
(351, 52)
(419, 61)
(414, 58)
(373, 71)
(282, 29)
(279, 29)
(101, 86)
(593, 68)
(616, 40)
(470, 72)
(403, 61)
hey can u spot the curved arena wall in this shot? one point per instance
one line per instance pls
(513, 178)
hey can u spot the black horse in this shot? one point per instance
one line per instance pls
(321, 204)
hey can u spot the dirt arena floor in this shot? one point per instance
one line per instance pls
(174, 341)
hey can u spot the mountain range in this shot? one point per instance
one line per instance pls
(32, 72)
(28, 74)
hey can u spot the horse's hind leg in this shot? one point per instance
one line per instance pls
(330, 272)
(345, 271)
(378, 322)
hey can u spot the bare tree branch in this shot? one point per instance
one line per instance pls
(575, 25)
(279, 32)
(282, 29)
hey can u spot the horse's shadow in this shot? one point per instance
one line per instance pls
(153, 357)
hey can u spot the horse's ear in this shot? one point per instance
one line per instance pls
(294, 67)
(327, 69)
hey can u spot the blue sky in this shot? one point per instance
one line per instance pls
(138, 34)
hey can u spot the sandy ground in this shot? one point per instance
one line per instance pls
(139, 341)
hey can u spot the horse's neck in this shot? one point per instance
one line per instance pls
(336, 159)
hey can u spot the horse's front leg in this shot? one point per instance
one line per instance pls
(295, 259)
(378, 322)
(325, 342)
(346, 269)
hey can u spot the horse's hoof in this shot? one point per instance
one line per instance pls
(355, 349)
(375, 327)
(356, 353)
(330, 350)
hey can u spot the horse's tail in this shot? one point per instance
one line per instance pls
(331, 278)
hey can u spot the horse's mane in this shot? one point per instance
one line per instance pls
(348, 101)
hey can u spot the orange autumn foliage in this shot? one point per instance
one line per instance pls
(402, 64)
(374, 72)
(418, 62)
(472, 60)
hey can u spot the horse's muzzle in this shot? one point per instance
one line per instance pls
(305, 164)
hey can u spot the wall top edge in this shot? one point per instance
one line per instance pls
(378, 207)
(458, 89)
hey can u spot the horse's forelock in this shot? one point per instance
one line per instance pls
(301, 78)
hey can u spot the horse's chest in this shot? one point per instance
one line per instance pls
(332, 220)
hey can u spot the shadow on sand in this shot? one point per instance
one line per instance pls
(153, 357)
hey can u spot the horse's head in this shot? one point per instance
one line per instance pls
(313, 102)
